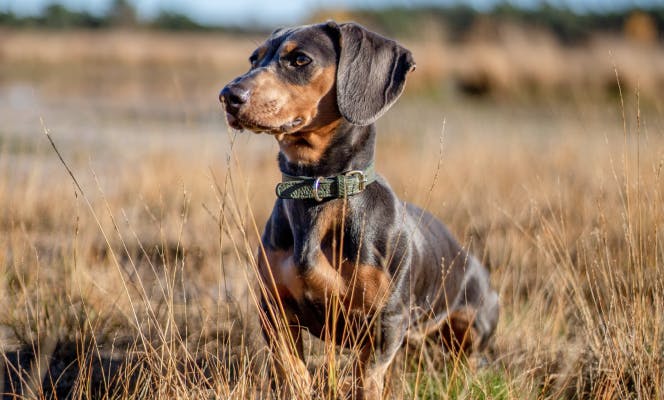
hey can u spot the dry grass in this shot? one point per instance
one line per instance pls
(139, 285)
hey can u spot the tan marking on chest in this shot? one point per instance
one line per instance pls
(360, 287)
(279, 274)
(367, 286)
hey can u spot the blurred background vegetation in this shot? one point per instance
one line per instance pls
(458, 21)
(506, 51)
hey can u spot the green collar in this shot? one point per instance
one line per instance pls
(320, 188)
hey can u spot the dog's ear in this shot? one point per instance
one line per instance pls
(371, 73)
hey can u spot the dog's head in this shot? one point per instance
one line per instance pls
(306, 78)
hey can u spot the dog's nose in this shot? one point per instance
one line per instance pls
(233, 97)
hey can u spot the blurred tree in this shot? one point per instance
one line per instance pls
(57, 16)
(8, 19)
(175, 21)
(458, 18)
(122, 13)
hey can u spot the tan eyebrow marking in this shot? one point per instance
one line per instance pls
(259, 52)
(287, 47)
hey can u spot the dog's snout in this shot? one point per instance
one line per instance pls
(233, 97)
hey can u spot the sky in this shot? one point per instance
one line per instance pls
(273, 12)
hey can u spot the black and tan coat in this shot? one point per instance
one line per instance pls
(396, 270)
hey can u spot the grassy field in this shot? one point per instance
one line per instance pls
(134, 279)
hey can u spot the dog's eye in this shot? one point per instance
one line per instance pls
(300, 60)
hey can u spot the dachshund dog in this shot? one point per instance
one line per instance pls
(337, 230)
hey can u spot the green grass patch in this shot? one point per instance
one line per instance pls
(489, 384)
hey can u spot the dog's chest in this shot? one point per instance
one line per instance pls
(358, 286)
(302, 282)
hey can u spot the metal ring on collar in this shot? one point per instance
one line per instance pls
(316, 185)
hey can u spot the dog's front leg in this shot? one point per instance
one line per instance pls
(375, 356)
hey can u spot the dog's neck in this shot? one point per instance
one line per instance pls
(351, 147)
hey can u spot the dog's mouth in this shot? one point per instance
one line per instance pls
(233, 122)
(240, 123)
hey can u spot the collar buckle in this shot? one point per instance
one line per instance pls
(361, 178)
